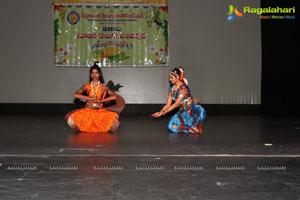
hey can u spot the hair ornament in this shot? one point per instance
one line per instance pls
(185, 81)
(181, 73)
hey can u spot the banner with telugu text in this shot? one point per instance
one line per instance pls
(114, 33)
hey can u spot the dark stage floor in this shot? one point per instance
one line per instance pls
(234, 158)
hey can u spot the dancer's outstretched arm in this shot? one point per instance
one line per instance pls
(168, 107)
(168, 103)
(173, 106)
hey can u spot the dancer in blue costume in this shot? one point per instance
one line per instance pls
(191, 115)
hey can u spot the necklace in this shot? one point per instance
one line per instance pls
(94, 93)
(174, 90)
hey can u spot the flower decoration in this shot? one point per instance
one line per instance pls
(152, 49)
(70, 48)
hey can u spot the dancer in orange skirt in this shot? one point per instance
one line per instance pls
(93, 117)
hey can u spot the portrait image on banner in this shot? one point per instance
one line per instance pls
(113, 33)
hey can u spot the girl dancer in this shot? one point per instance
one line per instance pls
(191, 115)
(93, 117)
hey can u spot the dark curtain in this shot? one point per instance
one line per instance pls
(280, 69)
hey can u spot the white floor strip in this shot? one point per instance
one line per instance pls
(159, 155)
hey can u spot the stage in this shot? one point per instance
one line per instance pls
(236, 157)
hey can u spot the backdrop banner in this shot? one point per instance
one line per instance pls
(114, 33)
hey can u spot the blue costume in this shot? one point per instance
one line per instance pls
(191, 115)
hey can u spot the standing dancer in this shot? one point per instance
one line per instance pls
(93, 117)
(191, 115)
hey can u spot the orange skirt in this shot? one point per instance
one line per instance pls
(93, 120)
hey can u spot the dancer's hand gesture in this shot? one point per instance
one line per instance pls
(156, 115)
